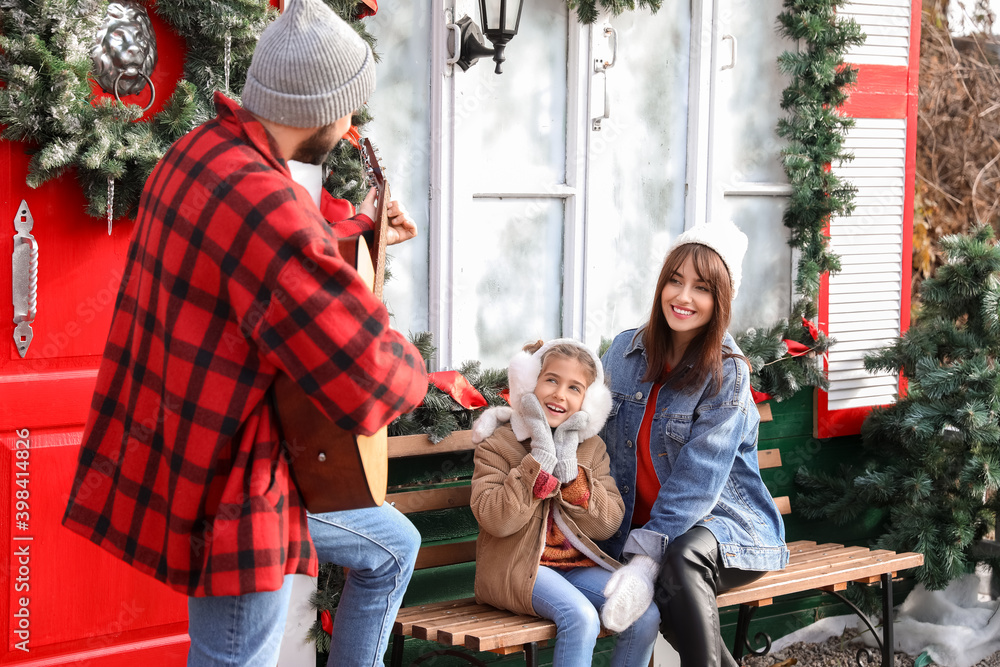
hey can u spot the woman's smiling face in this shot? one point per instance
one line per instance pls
(687, 301)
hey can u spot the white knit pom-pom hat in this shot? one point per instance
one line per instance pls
(724, 238)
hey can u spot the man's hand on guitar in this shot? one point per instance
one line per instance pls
(401, 227)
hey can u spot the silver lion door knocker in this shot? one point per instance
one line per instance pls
(124, 52)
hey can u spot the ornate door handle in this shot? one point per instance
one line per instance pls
(25, 279)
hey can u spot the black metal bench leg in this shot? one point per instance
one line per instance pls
(397, 651)
(531, 654)
(742, 628)
(888, 643)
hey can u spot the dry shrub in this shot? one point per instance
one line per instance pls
(958, 138)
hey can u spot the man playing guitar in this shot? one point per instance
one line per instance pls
(233, 276)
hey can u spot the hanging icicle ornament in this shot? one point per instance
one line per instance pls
(111, 202)
(226, 56)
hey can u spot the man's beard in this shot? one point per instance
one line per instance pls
(315, 148)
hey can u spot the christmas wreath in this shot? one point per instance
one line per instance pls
(49, 100)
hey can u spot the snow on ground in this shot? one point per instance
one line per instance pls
(956, 627)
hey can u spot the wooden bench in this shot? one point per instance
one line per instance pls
(463, 623)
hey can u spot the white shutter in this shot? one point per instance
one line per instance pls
(865, 297)
(887, 26)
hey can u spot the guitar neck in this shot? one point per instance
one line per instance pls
(382, 200)
(381, 234)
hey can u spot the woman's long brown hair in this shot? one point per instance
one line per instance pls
(703, 356)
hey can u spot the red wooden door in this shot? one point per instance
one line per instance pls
(63, 600)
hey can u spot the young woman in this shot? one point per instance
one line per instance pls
(542, 494)
(682, 437)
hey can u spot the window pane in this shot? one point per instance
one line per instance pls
(492, 18)
(765, 293)
(752, 92)
(510, 129)
(508, 278)
(637, 167)
(401, 134)
(511, 18)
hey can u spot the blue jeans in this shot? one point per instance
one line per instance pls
(238, 630)
(378, 546)
(573, 600)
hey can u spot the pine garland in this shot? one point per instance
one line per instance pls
(815, 130)
(46, 100)
(587, 10)
(439, 415)
(775, 370)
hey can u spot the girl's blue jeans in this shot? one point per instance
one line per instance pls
(573, 599)
(379, 547)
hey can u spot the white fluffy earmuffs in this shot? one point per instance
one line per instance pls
(522, 376)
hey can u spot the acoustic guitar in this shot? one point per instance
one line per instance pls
(334, 469)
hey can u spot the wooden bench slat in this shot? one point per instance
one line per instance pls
(408, 616)
(845, 559)
(783, 504)
(507, 650)
(416, 610)
(424, 500)
(821, 561)
(813, 580)
(420, 445)
(521, 634)
(431, 629)
(819, 556)
(456, 635)
(401, 446)
(768, 458)
(436, 555)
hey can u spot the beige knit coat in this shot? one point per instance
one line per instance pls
(512, 520)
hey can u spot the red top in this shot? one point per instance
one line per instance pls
(647, 484)
(232, 276)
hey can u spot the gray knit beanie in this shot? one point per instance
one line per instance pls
(309, 68)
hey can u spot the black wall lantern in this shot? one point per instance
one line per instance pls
(500, 19)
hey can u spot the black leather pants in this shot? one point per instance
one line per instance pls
(689, 580)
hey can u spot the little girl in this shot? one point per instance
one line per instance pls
(542, 492)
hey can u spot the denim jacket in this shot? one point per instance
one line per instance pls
(704, 452)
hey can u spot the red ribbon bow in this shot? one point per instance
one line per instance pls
(759, 396)
(326, 621)
(795, 348)
(366, 8)
(811, 328)
(354, 137)
(455, 385)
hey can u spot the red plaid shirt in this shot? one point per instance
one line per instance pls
(232, 276)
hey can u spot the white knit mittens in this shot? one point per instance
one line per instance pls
(629, 592)
(566, 440)
(542, 447)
